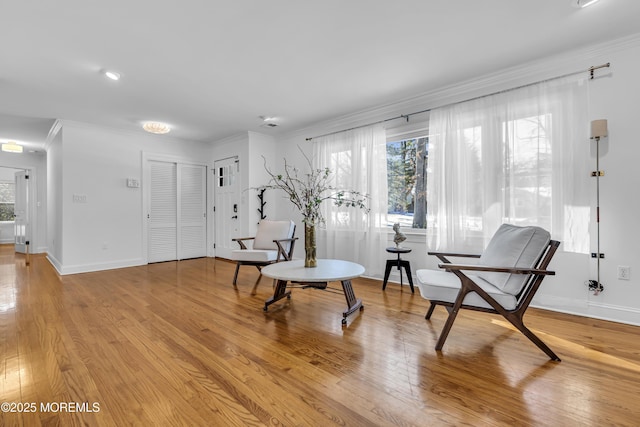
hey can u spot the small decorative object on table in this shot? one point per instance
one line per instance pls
(399, 236)
(307, 191)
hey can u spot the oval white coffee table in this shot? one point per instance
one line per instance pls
(328, 270)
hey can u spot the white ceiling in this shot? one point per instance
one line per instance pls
(211, 68)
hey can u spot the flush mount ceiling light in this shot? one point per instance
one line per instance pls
(12, 147)
(111, 75)
(583, 3)
(156, 127)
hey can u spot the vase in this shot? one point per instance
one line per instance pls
(310, 245)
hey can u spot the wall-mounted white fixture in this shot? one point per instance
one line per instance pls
(268, 121)
(12, 147)
(598, 130)
(156, 127)
(583, 3)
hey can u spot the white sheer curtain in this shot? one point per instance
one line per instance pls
(517, 157)
(358, 160)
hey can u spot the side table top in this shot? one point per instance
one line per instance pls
(328, 270)
(400, 250)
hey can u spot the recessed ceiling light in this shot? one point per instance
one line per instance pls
(12, 147)
(582, 3)
(156, 127)
(112, 75)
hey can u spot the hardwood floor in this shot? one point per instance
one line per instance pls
(175, 344)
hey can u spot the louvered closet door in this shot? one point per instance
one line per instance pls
(163, 212)
(192, 230)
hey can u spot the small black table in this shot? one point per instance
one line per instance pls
(398, 263)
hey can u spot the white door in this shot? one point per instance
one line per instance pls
(163, 212)
(226, 207)
(192, 213)
(21, 210)
(177, 223)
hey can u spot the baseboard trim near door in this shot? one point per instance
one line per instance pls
(87, 268)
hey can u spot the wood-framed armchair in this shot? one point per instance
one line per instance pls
(503, 281)
(274, 241)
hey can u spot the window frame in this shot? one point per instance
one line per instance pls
(406, 131)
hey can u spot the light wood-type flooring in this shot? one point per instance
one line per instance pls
(175, 344)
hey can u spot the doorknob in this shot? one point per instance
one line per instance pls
(234, 217)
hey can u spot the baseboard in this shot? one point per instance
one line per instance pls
(87, 268)
(54, 262)
(586, 308)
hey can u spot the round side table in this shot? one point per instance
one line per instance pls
(398, 263)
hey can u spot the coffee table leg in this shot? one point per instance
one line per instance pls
(279, 293)
(353, 303)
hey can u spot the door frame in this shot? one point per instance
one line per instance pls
(28, 234)
(146, 191)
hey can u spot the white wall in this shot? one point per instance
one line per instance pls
(613, 95)
(261, 148)
(36, 164)
(102, 227)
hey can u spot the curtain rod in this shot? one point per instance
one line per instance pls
(590, 70)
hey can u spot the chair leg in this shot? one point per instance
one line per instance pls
(453, 312)
(235, 276)
(446, 329)
(430, 311)
(518, 323)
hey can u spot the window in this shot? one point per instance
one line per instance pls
(513, 157)
(527, 186)
(7, 200)
(407, 182)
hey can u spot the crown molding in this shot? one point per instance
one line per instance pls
(53, 132)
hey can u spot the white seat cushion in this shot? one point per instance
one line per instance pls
(513, 246)
(268, 231)
(439, 285)
(254, 255)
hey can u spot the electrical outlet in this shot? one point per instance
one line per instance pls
(624, 272)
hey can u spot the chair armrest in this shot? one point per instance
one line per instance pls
(513, 270)
(285, 240)
(281, 251)
(237, 239)
(442, 256)
(240, 241)
(454, 254)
